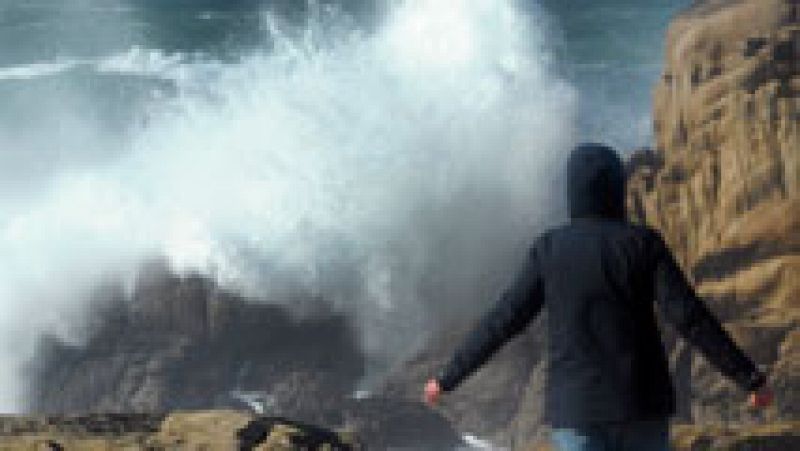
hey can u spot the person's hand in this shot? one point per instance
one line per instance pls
(761, 398)
(433, 391)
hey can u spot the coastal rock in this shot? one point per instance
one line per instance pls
(216, 430)
(723, 186)
(180, 343)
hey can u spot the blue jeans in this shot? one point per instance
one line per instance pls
(634, 436)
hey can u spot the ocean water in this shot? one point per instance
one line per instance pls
(612, 53)
(393, 158)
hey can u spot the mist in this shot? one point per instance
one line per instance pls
(398, 172)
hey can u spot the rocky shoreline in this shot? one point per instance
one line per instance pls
(722, 185)
(237, 430)
(189, 430)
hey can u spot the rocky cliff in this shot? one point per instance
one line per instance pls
(723, 185)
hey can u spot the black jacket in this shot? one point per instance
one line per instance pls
(599, 276)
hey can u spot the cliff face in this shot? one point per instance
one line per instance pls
(723, 184)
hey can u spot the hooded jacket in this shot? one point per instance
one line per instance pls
(601, 280)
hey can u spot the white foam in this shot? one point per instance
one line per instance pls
(137, 61)
(144, 62)
(476, 443)
(358, 168)
(36, 70)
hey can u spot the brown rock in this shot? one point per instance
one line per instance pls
(209, 430)
(723, 185)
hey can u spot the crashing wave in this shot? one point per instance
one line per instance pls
(36, 70)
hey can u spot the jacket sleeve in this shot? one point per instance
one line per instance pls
(518, 305)
(680, 305)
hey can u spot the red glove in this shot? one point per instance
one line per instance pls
(761, 398)
(433, 391)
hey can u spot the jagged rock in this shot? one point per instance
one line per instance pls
(374, 424)
(214, 430)
(265, 433)
(723, 184)
(181, 343)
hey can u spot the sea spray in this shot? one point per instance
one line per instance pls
(397, 174)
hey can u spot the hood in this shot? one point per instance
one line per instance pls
(595, 183)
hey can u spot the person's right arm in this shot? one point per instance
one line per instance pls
(517, 307)
(680, 305)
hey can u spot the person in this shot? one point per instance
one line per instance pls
(608, 384)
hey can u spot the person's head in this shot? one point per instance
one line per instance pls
(595, 182)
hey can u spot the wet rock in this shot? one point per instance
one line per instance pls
(182, 343)
(280, 433)
(385, 423)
